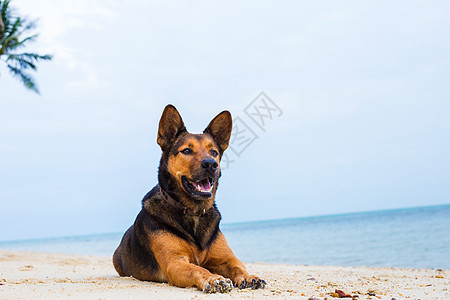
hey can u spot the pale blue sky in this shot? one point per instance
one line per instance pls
(363, 86)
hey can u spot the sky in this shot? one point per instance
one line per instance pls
(355, 107)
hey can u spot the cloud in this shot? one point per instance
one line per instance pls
(60, 20)
(90, 79)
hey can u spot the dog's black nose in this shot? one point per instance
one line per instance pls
(209, 164)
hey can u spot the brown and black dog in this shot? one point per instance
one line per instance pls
(176, 235)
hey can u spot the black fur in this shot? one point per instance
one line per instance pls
(162, 216)
(158, 215)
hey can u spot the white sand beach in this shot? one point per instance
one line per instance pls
(26, 275)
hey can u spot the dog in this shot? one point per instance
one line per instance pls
(176, 237)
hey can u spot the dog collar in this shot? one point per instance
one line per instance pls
(186, 210)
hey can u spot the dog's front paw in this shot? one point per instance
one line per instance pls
(251, 281)
(217, 284)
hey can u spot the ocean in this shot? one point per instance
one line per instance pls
(408, 238)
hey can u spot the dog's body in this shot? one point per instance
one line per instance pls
(176, 236)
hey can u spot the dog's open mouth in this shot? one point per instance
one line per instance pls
(201, 188)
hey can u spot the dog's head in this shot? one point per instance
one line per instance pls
(190, 163)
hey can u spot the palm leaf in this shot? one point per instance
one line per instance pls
(29, 39)
(4, 13)
(26, 60)
(12, 31)
(26, 79)
(34, 56)
(20, 61)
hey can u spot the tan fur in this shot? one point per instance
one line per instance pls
(185, 165)
(185, 265)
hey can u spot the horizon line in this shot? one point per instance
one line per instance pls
(237, 223)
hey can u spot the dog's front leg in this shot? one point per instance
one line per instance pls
(175, 257)
(223, 261)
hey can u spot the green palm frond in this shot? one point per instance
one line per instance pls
(31, 38)
(29, 56)
(26, 60)
(21, 61)
(12, 31)
(4, 15)
(27, 26)
(26, 79)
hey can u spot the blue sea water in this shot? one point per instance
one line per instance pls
(411, 238)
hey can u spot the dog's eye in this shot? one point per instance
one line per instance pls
(186, 151)
(214, 153)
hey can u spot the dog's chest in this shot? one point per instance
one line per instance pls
(199, 230)
(199, 256)
(195, 224)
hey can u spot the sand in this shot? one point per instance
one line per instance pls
(26, 275)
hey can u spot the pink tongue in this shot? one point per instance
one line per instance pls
(204, 184)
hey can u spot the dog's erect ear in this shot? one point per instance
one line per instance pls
(170, 126)
(220, 129)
